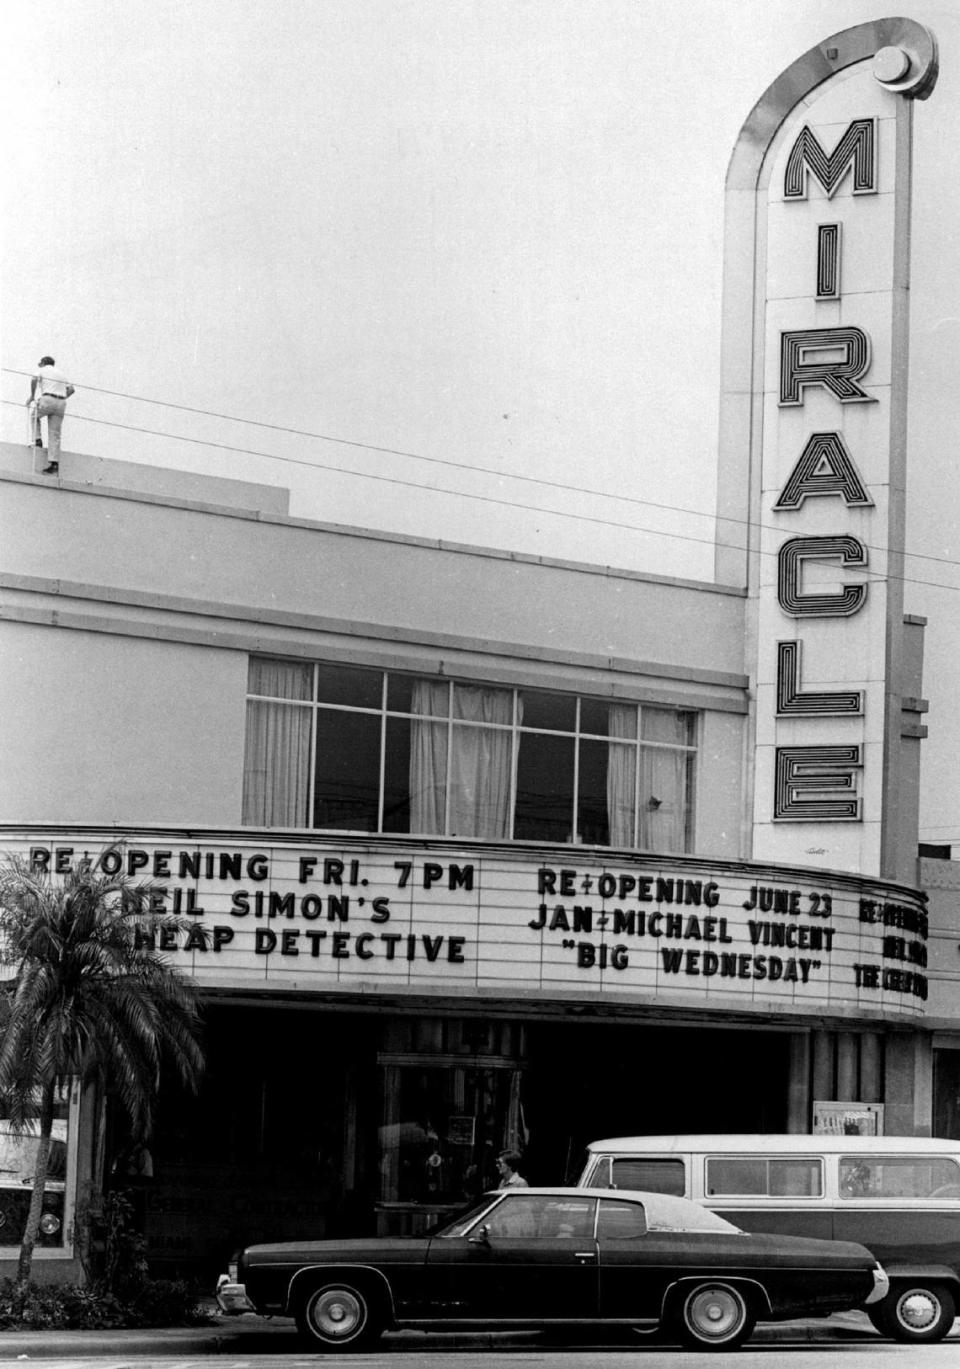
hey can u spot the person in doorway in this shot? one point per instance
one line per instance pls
(508, 1162)
(49, 392)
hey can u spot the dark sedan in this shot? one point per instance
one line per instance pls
(539, 1257)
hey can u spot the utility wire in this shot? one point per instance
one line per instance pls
(481, 498)
(458, 494)
(386, 479)
(419, 456)
(371, 447)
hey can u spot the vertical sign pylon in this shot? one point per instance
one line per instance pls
(813, 440)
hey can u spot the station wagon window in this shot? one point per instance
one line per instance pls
(620, 1221)
(757, 1176)
(347, 748)
(899, 1177)
(648, 1175)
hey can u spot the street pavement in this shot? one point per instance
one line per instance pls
(251, 1335)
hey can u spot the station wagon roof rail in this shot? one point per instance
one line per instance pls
(785, 1144)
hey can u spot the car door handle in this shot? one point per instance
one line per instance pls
(585, 1256)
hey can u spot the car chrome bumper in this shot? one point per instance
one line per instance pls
(881, 1285)
(232, 1297)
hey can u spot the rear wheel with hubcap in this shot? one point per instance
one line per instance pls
(714, 1316)
(338, 1316)
(915, 1312)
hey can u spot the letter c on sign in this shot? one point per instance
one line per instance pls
(840, 604)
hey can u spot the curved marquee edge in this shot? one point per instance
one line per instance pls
(916, 42)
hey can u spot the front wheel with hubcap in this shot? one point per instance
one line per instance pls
(714, 1316)
(915, 1312)
(338, 1316)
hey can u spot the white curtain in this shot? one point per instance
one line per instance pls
(428, 756)
(276, 771)
(480, 761)
(622, 775)
(663, 781)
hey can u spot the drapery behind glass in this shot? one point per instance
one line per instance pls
(663, 781)
(276, 772)
(622, 775)
(480, 761)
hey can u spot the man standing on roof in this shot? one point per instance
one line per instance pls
(50, 391)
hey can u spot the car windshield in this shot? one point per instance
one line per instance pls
(461, 1222)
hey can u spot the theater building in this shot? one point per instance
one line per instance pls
(475, 848)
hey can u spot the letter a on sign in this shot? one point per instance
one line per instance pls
(826, 467)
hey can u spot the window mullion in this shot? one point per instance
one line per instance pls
(383, 750)
(312, 768)
(514, 761)
(446, 787)
(575, 825)
(636, 784)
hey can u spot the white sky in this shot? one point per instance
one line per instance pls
(489, 234)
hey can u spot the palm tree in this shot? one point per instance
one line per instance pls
(89, 996)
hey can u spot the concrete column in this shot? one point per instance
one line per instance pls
(823, 1078)
(907, 1085)
(923, 1086)
(847, 1066)
(871, 1068)
(798, 1087)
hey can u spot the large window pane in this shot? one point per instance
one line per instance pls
(555, 711)
(429, 738)
(666, 725)
(593, 825)
(347, 784)
(545, 800)
(594, 716)
(279, 679)
(481, 763)
(396, 777)
(276, 769)
(351, 685)
(622, 775)
(664, 777)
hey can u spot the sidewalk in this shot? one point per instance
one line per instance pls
(252, 1335)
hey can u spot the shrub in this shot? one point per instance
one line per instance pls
(66, 1307)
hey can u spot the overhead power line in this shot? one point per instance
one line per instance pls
(442, 461)
(371, 447)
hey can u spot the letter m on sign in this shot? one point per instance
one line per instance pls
(857, 148)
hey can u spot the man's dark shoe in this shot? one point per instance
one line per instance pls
(52, 468)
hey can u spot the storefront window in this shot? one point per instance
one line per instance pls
(18, 1160)
(349, 749)
(443, 1128)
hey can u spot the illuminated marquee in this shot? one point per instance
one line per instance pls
(363, 917)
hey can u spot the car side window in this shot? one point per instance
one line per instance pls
(620, 1221)
(744, 1176)
(899, 1177)
(649, 1174)
(536, 1217)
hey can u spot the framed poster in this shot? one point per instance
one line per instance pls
(847, 1119)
